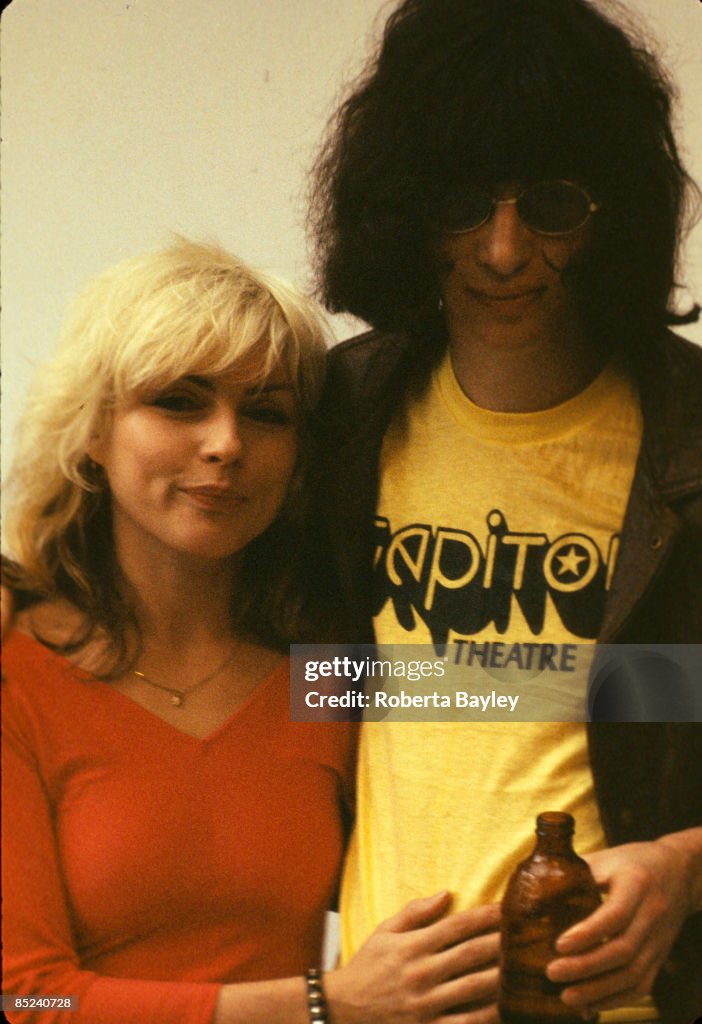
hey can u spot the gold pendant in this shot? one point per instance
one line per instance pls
(176, 700)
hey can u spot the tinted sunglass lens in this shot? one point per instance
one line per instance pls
(554, 207)
(464, 210)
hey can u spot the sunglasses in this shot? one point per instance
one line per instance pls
(546, 207)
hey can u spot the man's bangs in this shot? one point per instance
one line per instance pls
(505, 112)
(511, 135)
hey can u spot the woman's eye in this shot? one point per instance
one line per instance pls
(271, 414)
(177, 402)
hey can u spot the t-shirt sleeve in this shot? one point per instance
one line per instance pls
(39, 954)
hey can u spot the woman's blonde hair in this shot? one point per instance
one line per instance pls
(189, 309)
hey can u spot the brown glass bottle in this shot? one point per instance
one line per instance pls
(547, 893)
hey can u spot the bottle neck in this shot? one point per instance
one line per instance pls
(554, 834)
(550, 845)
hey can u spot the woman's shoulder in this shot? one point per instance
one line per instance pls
(52, 632)
(55, 622)
(33, 677)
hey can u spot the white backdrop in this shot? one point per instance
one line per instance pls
(124, 120)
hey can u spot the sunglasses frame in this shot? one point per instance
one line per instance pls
(593, 207)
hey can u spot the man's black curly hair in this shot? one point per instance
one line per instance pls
(501, 91)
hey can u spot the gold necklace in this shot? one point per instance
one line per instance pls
(177, 697)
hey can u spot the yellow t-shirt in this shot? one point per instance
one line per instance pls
(491, 527)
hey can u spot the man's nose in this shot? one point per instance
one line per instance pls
(222, 438)
(505, 244)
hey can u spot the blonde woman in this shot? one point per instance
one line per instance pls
(171, 840)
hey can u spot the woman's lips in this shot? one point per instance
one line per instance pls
(214, 497)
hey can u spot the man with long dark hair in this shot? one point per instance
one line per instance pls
(516, 457)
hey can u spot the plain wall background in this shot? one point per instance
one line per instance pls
(124, 120)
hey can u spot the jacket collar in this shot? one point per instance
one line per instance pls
(670, 385)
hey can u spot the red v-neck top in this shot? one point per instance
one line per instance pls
(143, 867)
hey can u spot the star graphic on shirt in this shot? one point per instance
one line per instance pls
(570, 562)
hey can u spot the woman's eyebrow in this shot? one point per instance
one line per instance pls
(201, 382)
(209, 384)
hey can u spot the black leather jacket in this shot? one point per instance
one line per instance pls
(648, 777)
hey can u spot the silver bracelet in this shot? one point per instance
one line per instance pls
(316, 1001)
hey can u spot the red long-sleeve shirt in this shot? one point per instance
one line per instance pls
(142, 867)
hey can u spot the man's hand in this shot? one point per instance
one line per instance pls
(612, 957)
